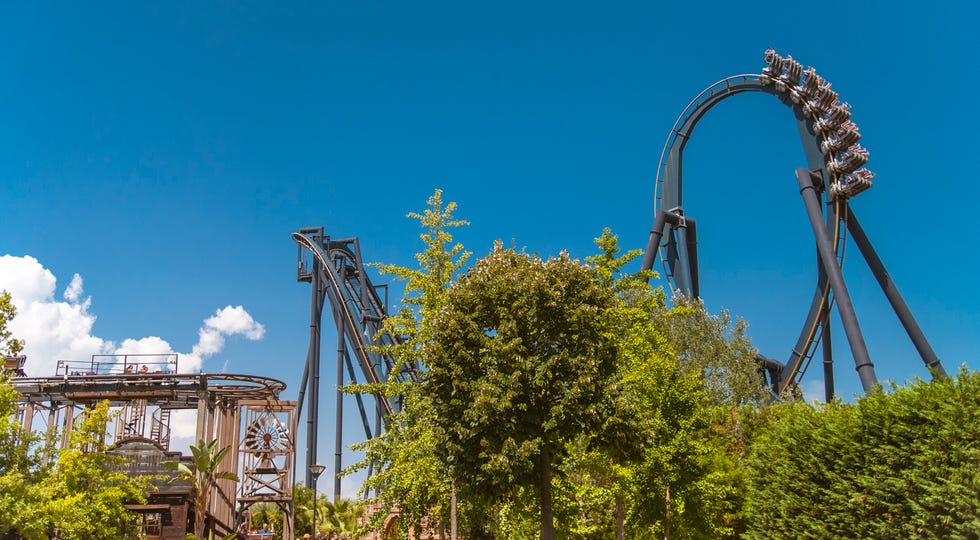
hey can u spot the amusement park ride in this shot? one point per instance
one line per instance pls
(246, 411)
(835, 170)
(835, 164)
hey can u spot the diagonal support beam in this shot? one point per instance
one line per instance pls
(894, 297)
(862, 361)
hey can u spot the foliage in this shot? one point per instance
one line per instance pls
(9, 345)
(206, 458)
(21, 472)
(717, 347)
(340, 519)
(426, 285)
(672, 484)
(679, 370)
(714, 353)
(302, 510)
(586, 494)
(903, 463)
(270, 513)
(413, 481)
(520, 360)
(86, 493)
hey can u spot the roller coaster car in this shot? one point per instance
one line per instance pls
(15, 365)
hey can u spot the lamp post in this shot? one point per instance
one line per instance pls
(317, 470)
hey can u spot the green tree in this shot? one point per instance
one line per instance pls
(207, 459)
(9, 345)
(87, 491)
(21, 472)
(677, 368)
(340, 519)
(407, 474)
(903, 463)
(302, 510)
(717, 347)
(520, 359)
(717, 350)
(267, 513)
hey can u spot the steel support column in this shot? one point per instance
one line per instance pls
(894, 297)
(852, 329)
(313, 367)
(339, 433)
(828, 359)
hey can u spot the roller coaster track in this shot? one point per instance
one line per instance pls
(834, 160)
(336, 272)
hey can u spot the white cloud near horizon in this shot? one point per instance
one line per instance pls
(55, 330)
(52, 330)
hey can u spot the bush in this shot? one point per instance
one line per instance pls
(902, 463)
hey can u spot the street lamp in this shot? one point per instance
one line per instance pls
(317, 470)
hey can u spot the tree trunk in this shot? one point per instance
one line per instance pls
(452, 514)
(620, 518)
(667, 516)
(547, 517)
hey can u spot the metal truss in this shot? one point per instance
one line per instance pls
(335, 270)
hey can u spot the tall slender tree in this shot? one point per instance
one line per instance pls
(520, 358)
(408, 476)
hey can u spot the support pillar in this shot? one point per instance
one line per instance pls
(313, 367)
(339, 433)
(894, 297)
(825, 247)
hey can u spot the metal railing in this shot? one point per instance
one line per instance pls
(120, 364)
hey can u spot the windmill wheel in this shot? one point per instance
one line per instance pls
(267, 433)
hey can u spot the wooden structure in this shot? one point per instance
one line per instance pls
(242, 411)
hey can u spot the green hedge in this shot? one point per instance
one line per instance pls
(902, 463)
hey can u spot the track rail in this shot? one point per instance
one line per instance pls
(358, 311)
(335, 270)
(168, 390)
(829, 143)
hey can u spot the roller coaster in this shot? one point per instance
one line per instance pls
(835, 163)
(834, 170)
(246, 411)
(335, 270)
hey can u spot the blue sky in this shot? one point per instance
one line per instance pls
(164, 154)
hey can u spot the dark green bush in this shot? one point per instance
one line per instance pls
(901, 463)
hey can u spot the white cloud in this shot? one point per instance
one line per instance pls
(147, 345)
(74, 290)
(52, 330)
(235, 320)
(57, 330)
(27, 278)
(228, 321)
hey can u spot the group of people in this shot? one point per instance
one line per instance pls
(265, 533)
(144, 369)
